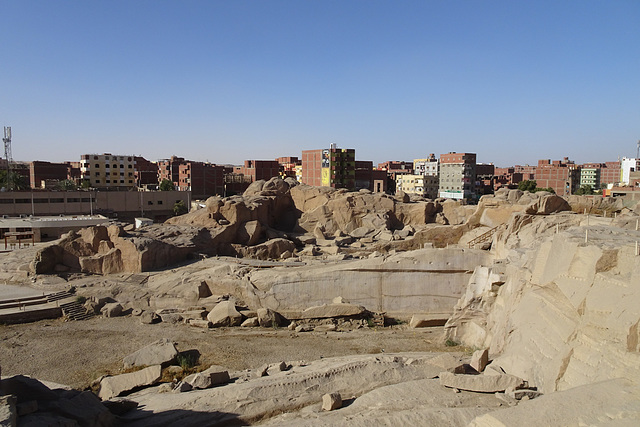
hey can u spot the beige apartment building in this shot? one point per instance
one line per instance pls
(420, 185)
(108, 171)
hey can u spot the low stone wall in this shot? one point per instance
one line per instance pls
(31, 315)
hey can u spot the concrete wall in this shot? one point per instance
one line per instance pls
(125, 204)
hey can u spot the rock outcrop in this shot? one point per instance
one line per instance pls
(558, 313)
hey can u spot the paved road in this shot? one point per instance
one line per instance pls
(12, 291)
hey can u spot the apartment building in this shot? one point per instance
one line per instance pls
(429, 166)
(146, 172)
(256, 170)
(610, 173)
(457, 176)
(169, 169)
(563, 176)
(419, 185)
(288, 165)
(332, 167)
(202, 179)
(528, 172)
(108, 171)
(484, 178)
(627, 166)
(364, 174)
(590, 175)
(41, 173)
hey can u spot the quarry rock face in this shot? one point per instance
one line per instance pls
(554, 302)
(555, 312)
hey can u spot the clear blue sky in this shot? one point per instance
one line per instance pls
(224, 81)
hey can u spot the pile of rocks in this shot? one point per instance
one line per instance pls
(273, 219)
(26, 401)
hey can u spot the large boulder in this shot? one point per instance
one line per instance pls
(254, 188)
(271, 249)
(548, 204)
(480, 383)
(112, 309)
(276, 186)
(249, 233)
(31, 403)
(224, 314)
(118, 384)
(268, 318)
(333, 310)
(214, 375)
(160, 352)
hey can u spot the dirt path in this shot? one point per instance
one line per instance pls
(75, 353)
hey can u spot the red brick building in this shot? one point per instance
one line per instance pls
(259, 169)
(146, 172)
(202, 179)
(364, 174)
(528, 172)
(561, 175)
(484, 178)
(170, 169)
(40, 172)
(332, 167)
(288, 165)
(610, 173)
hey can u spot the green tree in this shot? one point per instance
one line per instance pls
(166, 185)
(15, 181)
(584, 189)
(68, 185)
(179, 208)
(527, 185)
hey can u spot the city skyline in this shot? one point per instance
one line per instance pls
(228, 81)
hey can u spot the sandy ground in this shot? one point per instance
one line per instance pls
(75, 353)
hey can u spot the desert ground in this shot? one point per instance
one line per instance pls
(76, 353)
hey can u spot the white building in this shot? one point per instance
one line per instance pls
(628, 165)
(428, 166)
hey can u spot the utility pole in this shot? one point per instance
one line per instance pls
(7, 156)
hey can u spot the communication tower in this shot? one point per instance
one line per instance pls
(7, 156)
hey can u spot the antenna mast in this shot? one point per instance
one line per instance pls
(638, 151)
(7, 155)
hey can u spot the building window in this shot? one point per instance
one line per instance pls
(159, 202)
(108, 181)
(149, 203)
